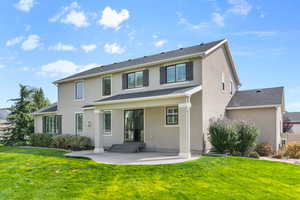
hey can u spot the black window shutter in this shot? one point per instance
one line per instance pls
(58, 121)
(162, 75)
(124, 81)
(44, 124)
(146, 77)
(189, 71)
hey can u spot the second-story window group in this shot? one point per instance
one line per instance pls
(176, 73)
(136, 79)
(79, 90)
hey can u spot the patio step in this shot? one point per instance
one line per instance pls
(128, 147)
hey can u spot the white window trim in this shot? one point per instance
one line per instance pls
(165, 117)
(76, 132)
(107, 133)
(82, 99)
(111, 85)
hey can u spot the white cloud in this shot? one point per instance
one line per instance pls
(113, 48)
(112, 19)
(25, 5)
(14, 41)
(71, 15)
(154, 36)
(76, 18)
(255, 33)
(189, 25)
(32, 42)
(88, 48)
(62, 68)
(2, 66)
(218, 19)
(160, 43)
(62, 47)
(240, 7)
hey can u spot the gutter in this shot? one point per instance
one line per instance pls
(252, 107)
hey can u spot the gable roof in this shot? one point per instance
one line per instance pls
(49, 109)
(293, 116)
(197, 50)
(257, 98)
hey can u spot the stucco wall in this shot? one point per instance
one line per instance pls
(265, 119)
(215, 99)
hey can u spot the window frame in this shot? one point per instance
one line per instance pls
(77, 132)
(75, 91)
(103, 79)
(175, 73)
(51, 124)
(167, 114)
(107, 132)
(135, 79)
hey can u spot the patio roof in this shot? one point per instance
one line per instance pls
(149, 95)
(50, 109)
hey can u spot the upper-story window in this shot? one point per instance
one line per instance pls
(223, 82)
(176, 73)
(79, 90)
(136, 79)
(106, 86)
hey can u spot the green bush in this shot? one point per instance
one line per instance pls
(246, 136)
(264, 149)
(41, 139)
(222, 136)
(293, 151)
(72, 142)
(254, 154)
(235, 137)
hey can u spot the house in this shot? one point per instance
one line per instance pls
(165, 101)
(294, 119)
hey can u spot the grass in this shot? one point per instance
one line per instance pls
(43, 174)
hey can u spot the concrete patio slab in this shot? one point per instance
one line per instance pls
(142, 158)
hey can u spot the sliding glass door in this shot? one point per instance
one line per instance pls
(134, 125)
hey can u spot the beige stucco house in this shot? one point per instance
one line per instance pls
(164, 100)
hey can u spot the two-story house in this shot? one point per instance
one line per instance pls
(165, 101)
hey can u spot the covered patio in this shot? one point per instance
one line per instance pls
(142, 158)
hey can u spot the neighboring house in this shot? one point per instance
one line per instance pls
(294, 133)
(164, 100)
(4, 124)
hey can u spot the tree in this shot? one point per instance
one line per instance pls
(21, 119)
(286, 125)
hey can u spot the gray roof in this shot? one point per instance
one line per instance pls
(257, 97)
(51, 108)
(152, 93)
(293, 116)
(201, 48)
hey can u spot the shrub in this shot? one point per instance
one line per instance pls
(236, 137)
(264, 149)
(293, 151)
(246, 136)
(278, 155)
(72, 142)
(41, 139)
(254, 154)
(222, 136)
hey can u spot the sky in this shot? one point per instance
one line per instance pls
(42, 41)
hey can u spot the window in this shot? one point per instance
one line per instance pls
(106, 86)
(79, 123)
(107, 122)
(176, 73)
(135, 79)
(79, 90)
(223, 82)
(231, 87)
(52, 124)
(172, 115)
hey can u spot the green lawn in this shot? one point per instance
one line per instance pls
(43, 174)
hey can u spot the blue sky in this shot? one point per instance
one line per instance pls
(42, 41)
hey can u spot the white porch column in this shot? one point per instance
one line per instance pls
(184, 130)
(98, 131)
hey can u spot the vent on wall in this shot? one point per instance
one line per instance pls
(258, 91)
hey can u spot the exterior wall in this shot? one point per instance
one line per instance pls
(38, 124)
(215, 99)
(68, 106)
(265, 119)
